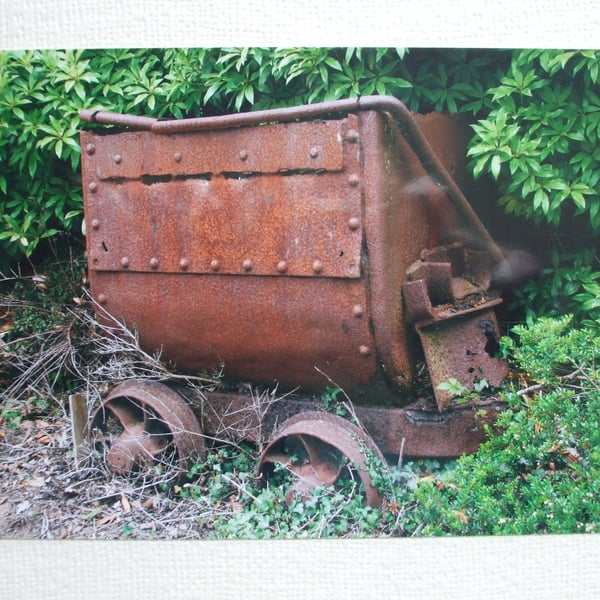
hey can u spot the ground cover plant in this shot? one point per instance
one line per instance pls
(535, 119)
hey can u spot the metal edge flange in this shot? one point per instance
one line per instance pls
(326, 440)
(154, 420)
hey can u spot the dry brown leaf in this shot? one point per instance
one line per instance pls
(571, 454)
(107, 519)
(149, 503)
(460, 516)
(43, 438)
(125, 504)
(7, 325)
(35, 482)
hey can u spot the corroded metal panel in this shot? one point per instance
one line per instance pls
(305, 225)
(269, 329)
(267, 149)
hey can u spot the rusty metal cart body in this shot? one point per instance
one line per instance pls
(301, 247)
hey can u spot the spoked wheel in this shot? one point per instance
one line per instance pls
(320, 449)
(144, 426)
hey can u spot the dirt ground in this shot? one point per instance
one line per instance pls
(44, 494)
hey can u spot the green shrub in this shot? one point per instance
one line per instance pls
(570, 285)
(540, 473)
(540, 138)
(539, 142)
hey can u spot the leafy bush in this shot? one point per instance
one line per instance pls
(540, 139)
(570, 285)
(539, 142)
(540, 474)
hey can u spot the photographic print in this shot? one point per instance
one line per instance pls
(299, 292)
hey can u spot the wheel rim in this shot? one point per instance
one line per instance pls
(145, 424)
(317, 448)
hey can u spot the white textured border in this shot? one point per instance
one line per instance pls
(188, 23)
(501, 568)
(490, 568)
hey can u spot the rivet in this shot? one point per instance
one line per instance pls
(243, 155)
(177, 156)
(90, 149)
(184, 264)
(354, 180)
(117, 158)
(364, 350)
(93, 187)
(358, 311)
(317, 266)
(282, 266)
(215, 265)
(247, 265)
(354, 223)
(95, 224)
(352, 136)
(125, 262)
(102, 298)
(154, 263)
(314, 152)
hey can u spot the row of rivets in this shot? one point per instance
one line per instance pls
(242, 155)
(177, 157)
(351, 136)
(215, 265)
(353, 224)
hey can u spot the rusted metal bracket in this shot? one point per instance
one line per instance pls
(446, 294)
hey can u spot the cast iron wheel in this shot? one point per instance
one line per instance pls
(319, 449)
(144, 426)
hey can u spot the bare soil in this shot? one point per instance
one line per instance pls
(44, 494)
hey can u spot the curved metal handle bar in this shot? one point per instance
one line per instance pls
(390, 104)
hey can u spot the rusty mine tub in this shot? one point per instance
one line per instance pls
(303, 248)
